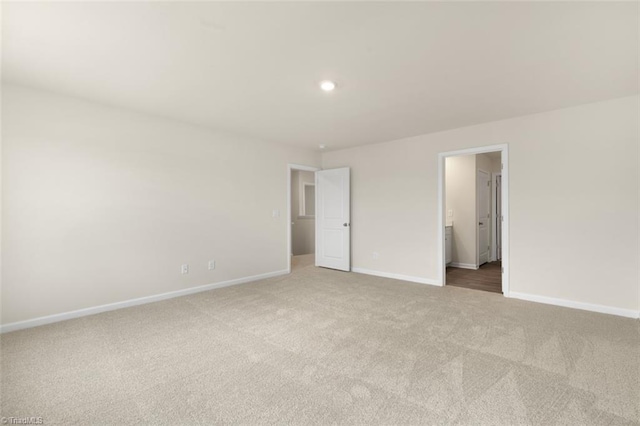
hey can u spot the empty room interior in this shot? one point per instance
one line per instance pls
(311, 213)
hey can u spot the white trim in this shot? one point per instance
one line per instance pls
(629, 313)
(5, 328)
(291, 167)
(463, 265)
(441, 222)
(303, 168)
(504, 150)
(395, 276)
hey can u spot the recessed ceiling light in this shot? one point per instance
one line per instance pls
(327, 85)
(322, 146)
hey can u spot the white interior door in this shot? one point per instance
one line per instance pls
(483, 198)
(333, 219)
(498, 217)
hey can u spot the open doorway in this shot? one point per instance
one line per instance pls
(301, 213)
(472, 199)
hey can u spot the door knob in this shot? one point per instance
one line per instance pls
(345, 224)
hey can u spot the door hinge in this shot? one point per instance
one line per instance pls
(501, 166)
(502, 270)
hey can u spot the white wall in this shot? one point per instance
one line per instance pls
(103, 205)
(460, 195)
(582, 161)
(303, 229)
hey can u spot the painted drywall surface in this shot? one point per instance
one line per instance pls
(583, 161)
(460, 195)
(303, 229)
(103, 205)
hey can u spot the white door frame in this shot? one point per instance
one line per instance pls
(290, 168)
(504, 151)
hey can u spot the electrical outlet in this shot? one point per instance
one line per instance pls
(184, 269)
(376, 255)
(450, 213)
(275, 213)
(212, 265)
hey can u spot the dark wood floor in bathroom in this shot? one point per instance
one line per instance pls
(487, 278)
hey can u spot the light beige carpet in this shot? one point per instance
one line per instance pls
(327, 347)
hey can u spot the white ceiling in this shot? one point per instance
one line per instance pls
(402, 69)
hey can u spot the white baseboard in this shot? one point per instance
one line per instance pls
(463, 265)
(396, 276)
(5, 328)
(629, 313)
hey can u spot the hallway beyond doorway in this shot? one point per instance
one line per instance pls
(302, 261)
(487, 278)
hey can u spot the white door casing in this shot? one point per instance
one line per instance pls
(504, 207)
(483, 208)
(333, 219)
